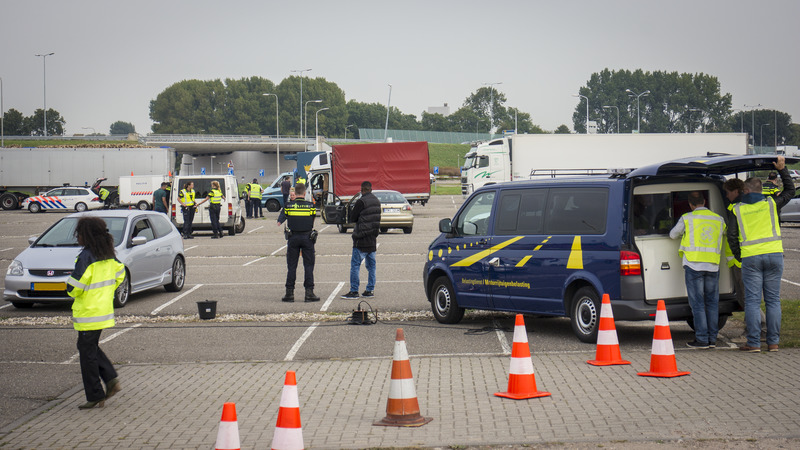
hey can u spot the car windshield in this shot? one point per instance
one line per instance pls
(62, 234)
(390, 197)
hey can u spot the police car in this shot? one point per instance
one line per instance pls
(66, 198)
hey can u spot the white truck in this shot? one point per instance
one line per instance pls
(138, 190)
(526, 156)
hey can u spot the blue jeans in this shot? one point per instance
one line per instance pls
(355, 265)
(762, 273)
(703, 290)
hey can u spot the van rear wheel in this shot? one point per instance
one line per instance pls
(585, 314)
(723, 319)
(443, 302)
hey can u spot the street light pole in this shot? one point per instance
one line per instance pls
(44, 83)
(491, 103)
(587, 110)
(388, 108)
(761, 133)
(301, 97)
(693, 110)
(305, 130)
(316, 129)
(638, 115)
(617, 108)
(753, 121)
(2, 116)
(345, 131)
(277, 136)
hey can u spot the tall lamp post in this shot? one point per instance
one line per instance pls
(491, 103)
(44, 83)
(761, 133)
(316, 128)
(2, 116)
(345, 131)
(587, 110)
(301, 97)
(753, 120)
(305, 129)
(741, 119)
(388, 108)
(277, 136)
(638, 116)
(617, 108)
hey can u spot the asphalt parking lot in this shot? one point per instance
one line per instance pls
(245, 275)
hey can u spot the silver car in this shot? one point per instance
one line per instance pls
(791, 211)
(146, 242)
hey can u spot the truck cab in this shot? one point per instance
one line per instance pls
(488, 162)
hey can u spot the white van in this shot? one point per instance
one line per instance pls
(137, 190)
(230, 217)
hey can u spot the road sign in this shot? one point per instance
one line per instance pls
(230, 171)
(261, 173)
(203, 171)
(436, 170)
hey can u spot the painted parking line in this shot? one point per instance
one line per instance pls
(156, 311)
(253, 261)
(790, 282)
(254, 229)
(276, 251)
(501, 336)
(332, 296)
(299, 343)
(5, 306)
(103, 341)
(187, 249)
(328, 226)
(7, 249)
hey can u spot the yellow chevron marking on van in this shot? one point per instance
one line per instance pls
(526, 258)
(466, 262)
(576, 255)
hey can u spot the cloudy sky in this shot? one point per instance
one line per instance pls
(113, 57)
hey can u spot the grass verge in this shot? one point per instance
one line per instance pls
(790, 323)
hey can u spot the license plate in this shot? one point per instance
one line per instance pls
(391, 210)
(48, 286)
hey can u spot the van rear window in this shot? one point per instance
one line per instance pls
(202, 186)
(658, 213)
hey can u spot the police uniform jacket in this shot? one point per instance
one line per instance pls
(298, 215)
(92, 285)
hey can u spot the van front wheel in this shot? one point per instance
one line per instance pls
(585, 314)
(443, 302)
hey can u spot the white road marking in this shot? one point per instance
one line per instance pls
(276, 251)
(156, 311)
(377, 245)
(790, 282)
(332, 296)
(254, 229)
(5, 306)
(187, 249)
(6, 249)
(324, 228)
(103, 341)
(299, 343)
(253, 261)
(501, 336)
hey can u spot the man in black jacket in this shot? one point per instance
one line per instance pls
(366, 214)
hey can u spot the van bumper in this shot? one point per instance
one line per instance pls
(677, 309)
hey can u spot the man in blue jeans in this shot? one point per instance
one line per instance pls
(366, 214)
(702, 233)
(755, 240)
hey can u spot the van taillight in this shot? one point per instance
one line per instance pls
(630, 263)
(230, 209)
(173, 210)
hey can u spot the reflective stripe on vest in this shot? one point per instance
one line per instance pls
(93, 308)
(216, 197)
(703, 237)
(255, 190)
(759, 232)
(300, 210)
(104, 193)
(188, 197)
(93, 319)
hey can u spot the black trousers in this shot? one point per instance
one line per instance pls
(257, 209)
(296, 243)
(94, 365)
(188, 218)
(248, 207)
(213, 215)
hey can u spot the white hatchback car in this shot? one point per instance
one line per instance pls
(65, 198)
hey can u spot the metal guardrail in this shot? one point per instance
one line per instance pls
(222, 138)
(109, 137)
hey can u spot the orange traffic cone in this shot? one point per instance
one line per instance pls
(402, 409)
(521, 379)
(228, 434)
(288, 432)
(607, 343)
(662, 358)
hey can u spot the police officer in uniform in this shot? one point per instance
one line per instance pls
(299, 216)
(188, 207)
(255, 190)
(215, 199)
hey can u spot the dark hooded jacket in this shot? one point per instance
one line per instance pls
(366, 215)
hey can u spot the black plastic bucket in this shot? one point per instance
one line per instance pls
(207, 309)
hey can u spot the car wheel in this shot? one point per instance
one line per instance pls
(9, 201)
(22, 305)
(384, 230)
(585, 314)
(178, 275)
(237, 228)
(407, 230)
(34, 208)
(80, 207)
(273, 205)
(443, 302)
(143, 205)
(723, 319)
(342, 228)
(123, 292)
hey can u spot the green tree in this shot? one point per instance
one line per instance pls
(434, 122)
(562, 129)
(520, 121)
(190, 106)
(488, 102)
(466, 120)
(366, 115)
(743, 121)
(120, 127)
(794, 135)
(33, 125)
(13, 123)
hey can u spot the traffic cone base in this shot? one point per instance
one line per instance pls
(402, 408)
(608, 353)
(521, 379)
(662, 359)
(228, 434)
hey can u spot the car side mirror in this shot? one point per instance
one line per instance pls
(445, 226)
(138, 240)
(31, 240)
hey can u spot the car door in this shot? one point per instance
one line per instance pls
(54, 199)
(144, 260)
(334, 210)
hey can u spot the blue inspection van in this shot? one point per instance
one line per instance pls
(554, 246)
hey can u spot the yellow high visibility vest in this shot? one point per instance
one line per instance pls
(702, 240)
(759, 227)
(255, 190)
(187, 196)
(216, 197)
(93, 308)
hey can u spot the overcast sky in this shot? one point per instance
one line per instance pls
(113, 57)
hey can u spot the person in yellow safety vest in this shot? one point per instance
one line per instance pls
(104, 193)
(255, 190)
(92, 284)
(702, 233)
(215, 199)
(188, 207)
(770, 187)
(755, 239)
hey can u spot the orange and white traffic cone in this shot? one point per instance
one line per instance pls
(662, 358)
(608, 353)
(402, 409)
(288, 431)
(228, 434)
(521, 379)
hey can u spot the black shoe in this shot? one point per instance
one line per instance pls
(351, 295)
(695, 344)
(95, 404)
(220, 235)
(368, 294)
(310, 297)
(113, 387)
(188, 237)
(289, 297)
(215, 237)
(712, 345)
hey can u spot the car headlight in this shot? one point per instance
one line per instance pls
(15, 268)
